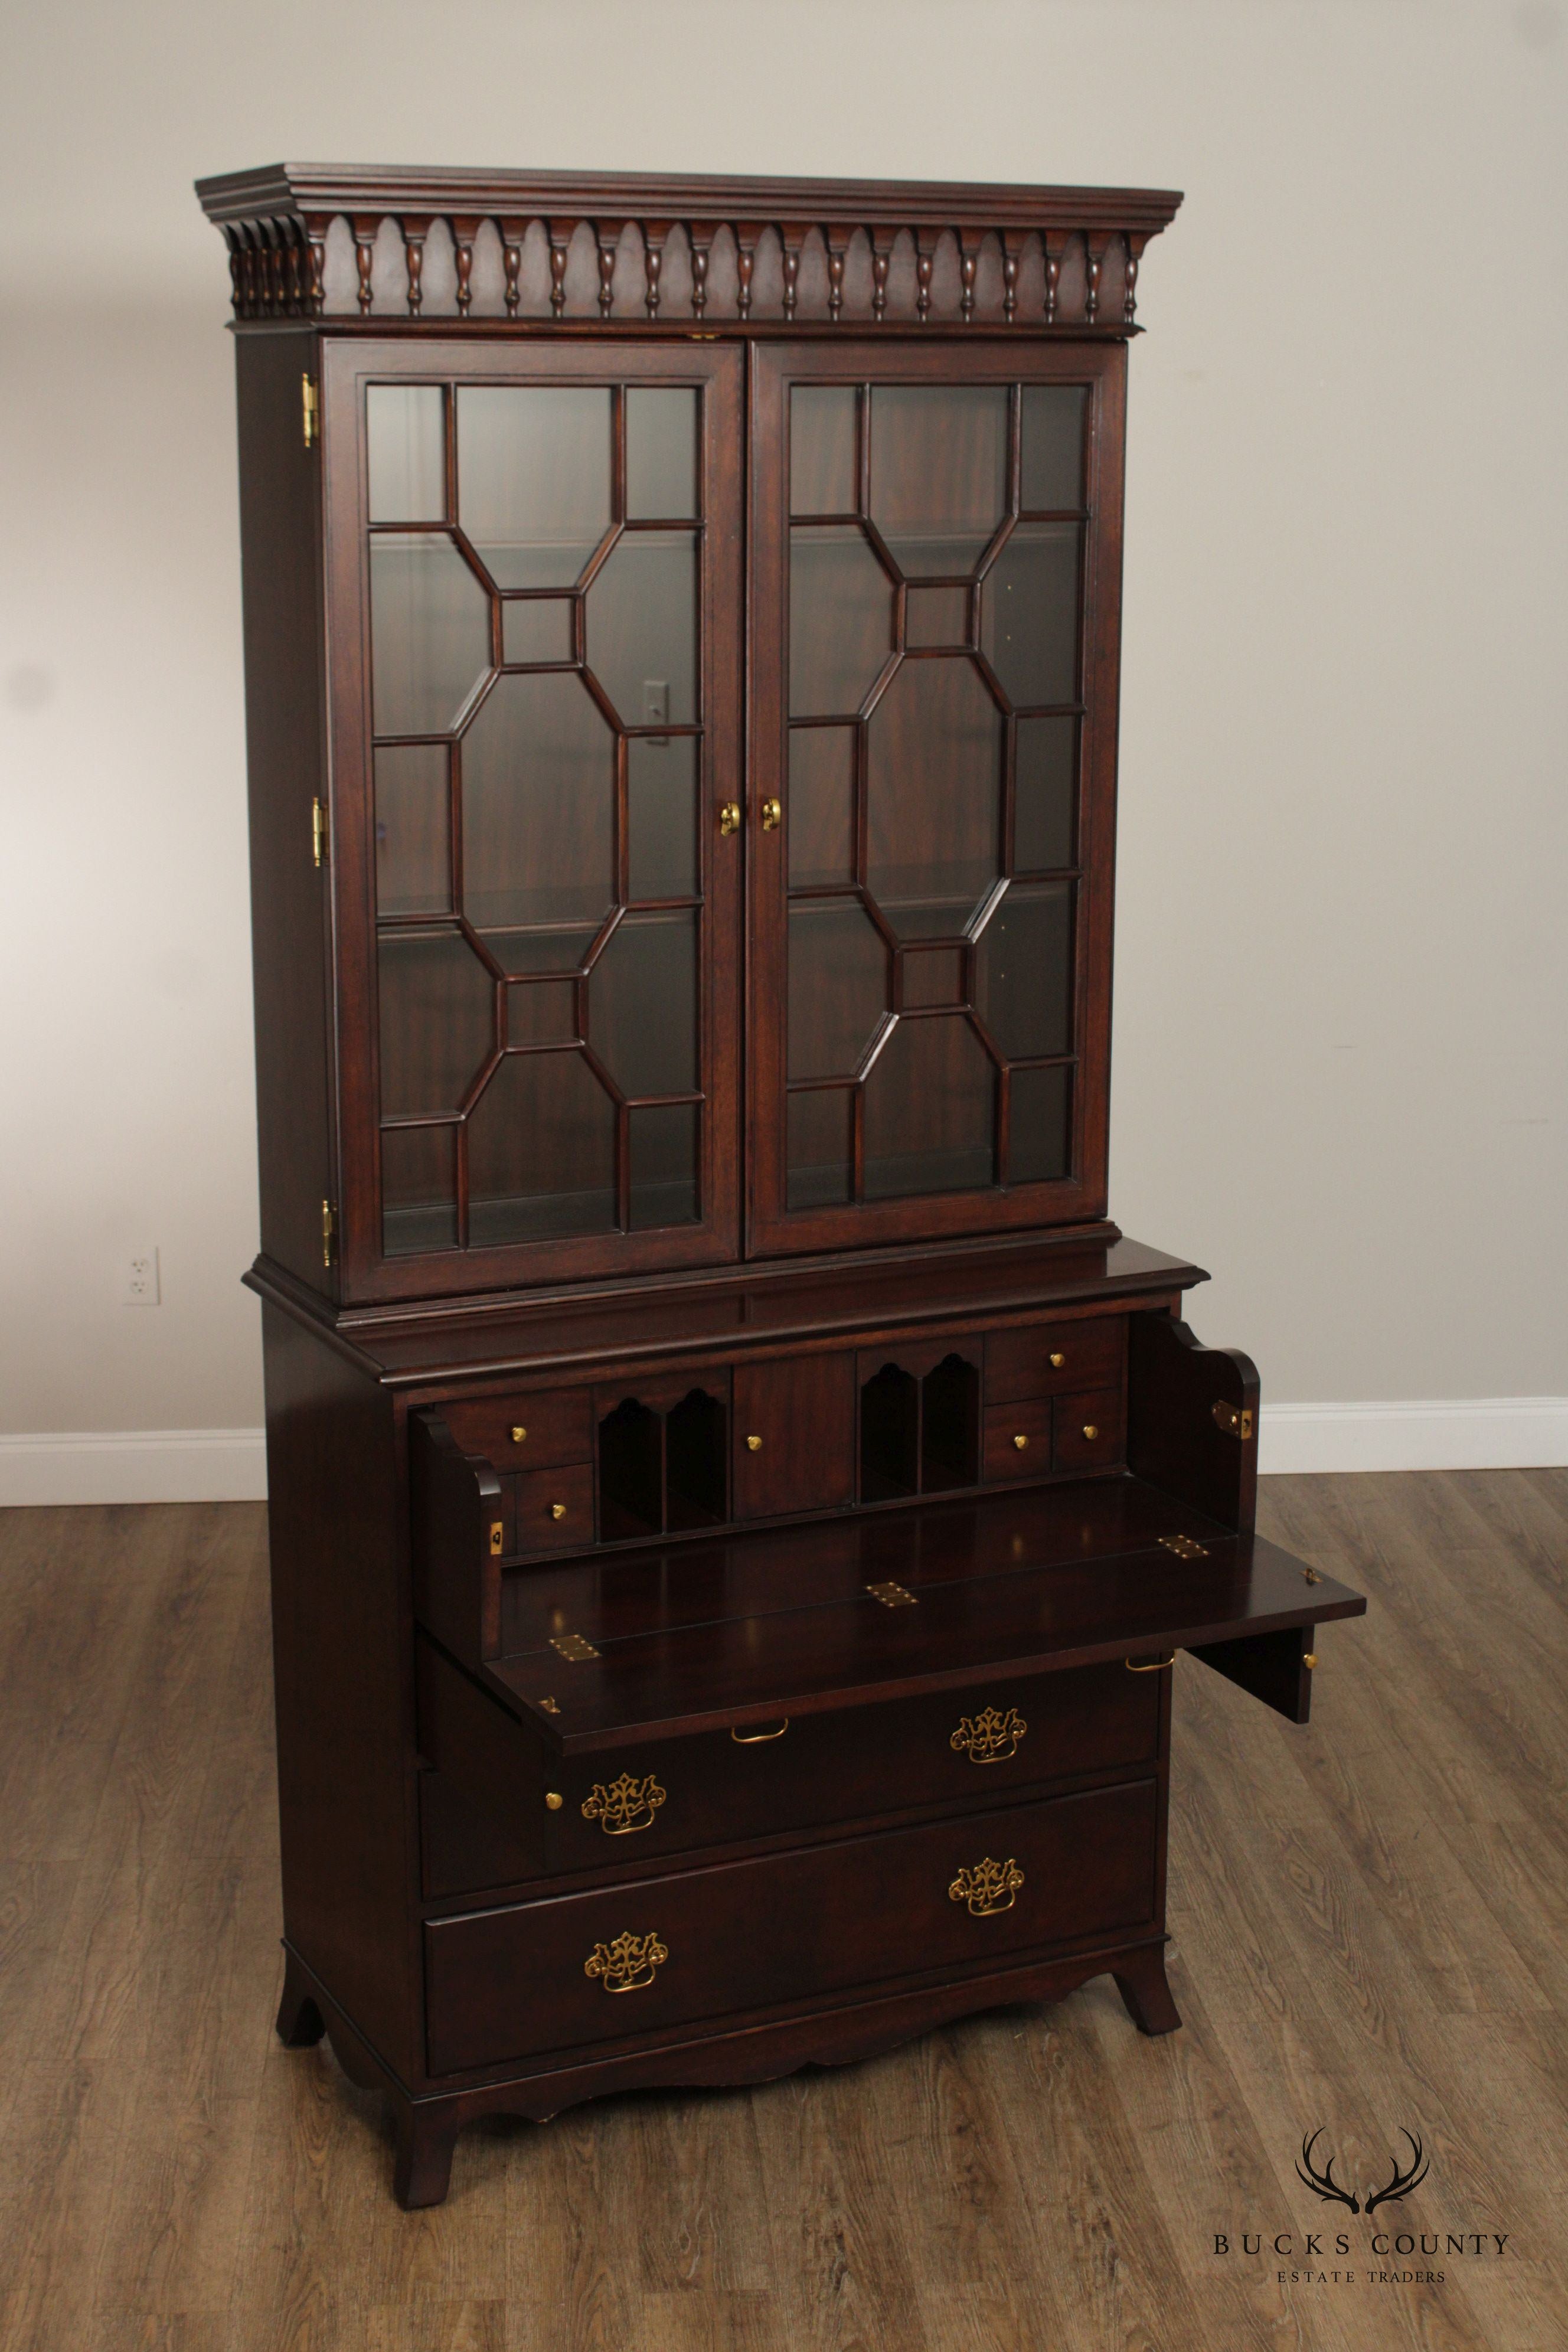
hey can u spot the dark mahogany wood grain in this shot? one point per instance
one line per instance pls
(1274, 1668)
(1046, 1359)
(1173, 1438)
(800, 1413)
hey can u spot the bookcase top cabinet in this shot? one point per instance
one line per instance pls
(682, 621)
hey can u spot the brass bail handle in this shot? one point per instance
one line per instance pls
(1149, 1665)
(756, 1738)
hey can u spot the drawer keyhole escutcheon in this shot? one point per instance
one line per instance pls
(989, 1737)
(754, 1445)
(1058, 1359)
(627, 1965)
(628, 1805)
(756, 1738)
(989, 1887)
(1021, 1442)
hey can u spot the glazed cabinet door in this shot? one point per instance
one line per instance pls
(936, 558)
(534, 588)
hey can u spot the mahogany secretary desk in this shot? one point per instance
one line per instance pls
(734, 1497)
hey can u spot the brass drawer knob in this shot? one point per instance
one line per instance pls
(754, 1445)
(553, 1799)
(989, 1887)
(519, 1434)
(1058, 1359)
(1309, 1657)
(1091, 1431)
(558, 1510)
(1021, 1442)
(730, 818)
(627, 1965)
(773, 817)
(628, 1805)
(990, 1737)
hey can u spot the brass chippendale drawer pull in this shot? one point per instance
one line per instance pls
(626, 1965)
(755, 1738)
(1149, 1665)
(626, 1806)
(989, 1887)
(989, 1737)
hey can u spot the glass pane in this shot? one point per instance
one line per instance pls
(1040, 1142)
(821, 806)
(1044, 795)
(934, 797)
(664, 1165)
(406, 452)
(938, 472)
(413, 830)
(1053, 446)
(1029, 605)
(642, 627)
(537, 632)
(819, 1147)
(539, 805)
(933, 976)
(837, 986)
(1023, 971)
(437, 1020)
(542, 1152)
(822, 467)
(430, 633)
(661, 816)
(931, 1111)
(840, 621)
(542, 1012)
(642, 1005)
(936, 616)
(419, 1189)
(661, 454)
(533, 478)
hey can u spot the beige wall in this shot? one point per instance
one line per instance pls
(1339, 1076)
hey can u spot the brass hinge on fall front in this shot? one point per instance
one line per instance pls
(310, 412)
(328, 1232)
(891, 1595)
(318, 833)
(1234, 1420)
(573, 1647)
(1185, 1547)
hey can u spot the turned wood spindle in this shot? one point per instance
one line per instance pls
(464, 232)
(1053, 247)
(653, 236)
(1134, 245)
(365, 259)
(316, 292)
(746, 236)
(700, 236)
(926, 240)
(1012, 247)
(413, 234)
(882, 242)
(837, 242)
(792, 234)
(559, 246)
(607, 238)
(969, 242)
(513, 233)
(1096, 245)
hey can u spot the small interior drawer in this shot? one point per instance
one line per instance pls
(552, 1510)
(745, 1935)
(523, 1432)
(1019, 1439)
(1047, 1358)
(1090, 1430)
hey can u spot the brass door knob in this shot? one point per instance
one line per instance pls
(1021, 1441)
(773, 817)
(1090, 1430)
(754, 1445)
(558, 1510)
(729, 817)
(1058, 1359)
(519, 1434)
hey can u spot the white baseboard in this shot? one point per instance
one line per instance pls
(134, 1465)
(229, 1465)
(1416, 1433)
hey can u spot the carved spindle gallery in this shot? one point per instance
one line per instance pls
(793, 237)
(882, 243)
(746, 236)
(1055, 248)
(653, 234)
(464, 231)
(365, 259)
(700, 236)
(414, 235)
(513, 233)
(559, 246)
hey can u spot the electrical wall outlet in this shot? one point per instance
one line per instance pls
(139, 1278)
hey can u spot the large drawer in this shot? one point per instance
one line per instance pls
(671, 1796)
(749, 1936)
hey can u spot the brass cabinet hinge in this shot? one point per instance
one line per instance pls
(318, 833)
(1185, 1547)
(573, 1647)
(1234, 1420)
(891, 1595)
(310, 412)
(329, 1233)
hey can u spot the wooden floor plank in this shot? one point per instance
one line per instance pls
(1370, 1921)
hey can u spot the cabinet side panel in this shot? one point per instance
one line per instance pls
(280, 537)
(342, 1660)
